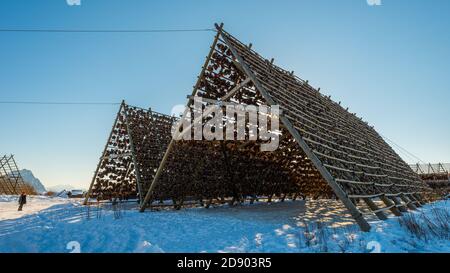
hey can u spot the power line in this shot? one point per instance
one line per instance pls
(406, 155)
(59, 103)
(106, 30)
(406, 152)
(411, 154)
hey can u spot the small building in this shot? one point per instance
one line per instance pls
(75, 194)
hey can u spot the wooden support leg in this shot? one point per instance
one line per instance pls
(242, 199)
(375, 209)
(209, 203)
(177, 204)
(294, 197)
(415, 200)
(408, 202)
(419, 198)
(391, 204)
(399, 204)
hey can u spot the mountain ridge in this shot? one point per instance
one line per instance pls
(29, 178)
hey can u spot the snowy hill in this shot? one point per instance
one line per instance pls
(30, 179)
(60, 188)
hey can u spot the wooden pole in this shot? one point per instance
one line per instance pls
(103, 154)
(419, 198)
(408, 202)
(133, 156)
(8, 184)
(392, 206)
(375, 209)
(417, 201)
(399, 204)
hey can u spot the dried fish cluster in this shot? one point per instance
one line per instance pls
(133, 152)
(351, 150)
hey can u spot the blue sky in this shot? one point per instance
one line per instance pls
(390, 64)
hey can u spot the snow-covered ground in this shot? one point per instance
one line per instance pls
(59, 225)
(35, 204)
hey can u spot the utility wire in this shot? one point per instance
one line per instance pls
(59, 103)
(402, 151)
(411, 154)
(406, 152)
(106, 30)
(410, 159)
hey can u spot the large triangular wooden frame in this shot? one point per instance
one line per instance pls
(395, 201)
(11, 181)
(131, 149)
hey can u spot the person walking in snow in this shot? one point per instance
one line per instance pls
(22, 200)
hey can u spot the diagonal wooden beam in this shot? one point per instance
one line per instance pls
(3, 161)
(133, 157)
(88, 194)
(18, 177)
(8, 184)
(391, 205)
(408, 202)
(419, 198)
(375, 209)
(399, 204)
(416, 201)
(13, 178)
(210, 110)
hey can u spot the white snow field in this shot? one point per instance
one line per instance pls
(8, 205)
(57, 225)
